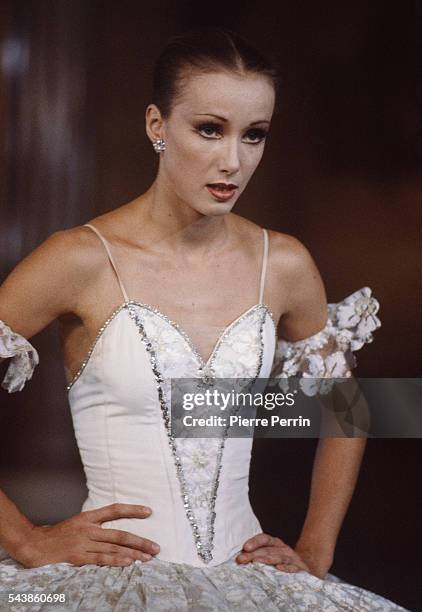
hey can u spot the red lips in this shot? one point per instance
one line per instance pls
(222, 191)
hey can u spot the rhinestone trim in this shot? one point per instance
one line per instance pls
(205, 375)
(93, 345)
(206, 368)
(203, 550)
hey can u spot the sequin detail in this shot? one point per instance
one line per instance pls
(173, 324)
(204, 545)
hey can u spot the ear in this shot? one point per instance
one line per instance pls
(154, 123)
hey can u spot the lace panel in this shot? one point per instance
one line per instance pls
(24, 358)
(329, 353)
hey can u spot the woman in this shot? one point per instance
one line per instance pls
(167, 523)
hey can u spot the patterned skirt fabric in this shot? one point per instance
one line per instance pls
(160, 586)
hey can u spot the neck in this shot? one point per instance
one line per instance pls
(181, 228)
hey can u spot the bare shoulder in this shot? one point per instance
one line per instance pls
(119, 225)
(290, 263)
(286, 252)
(290, 256)
(74, 252)
(63, 253)
(296, 272)
(54, 275)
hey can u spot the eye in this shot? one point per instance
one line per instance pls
(209, 130)
(255, 136)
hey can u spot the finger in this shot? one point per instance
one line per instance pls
(116, 511)
(302, 565)
(262, 560)
(277, 554)
(99, 559)
(264, 539)
(124, 538)
(273, 554)
(276, 541)
(298, 561)
(261, 539)
(251, 556)
(289, 568)
(119, 551)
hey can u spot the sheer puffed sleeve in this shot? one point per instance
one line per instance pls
(329, 353)
(24, 358)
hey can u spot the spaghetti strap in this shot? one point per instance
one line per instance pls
(264, 266)
(107, 248)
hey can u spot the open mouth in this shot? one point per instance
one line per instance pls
(222, 191)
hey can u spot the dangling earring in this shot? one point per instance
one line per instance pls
(159, 145)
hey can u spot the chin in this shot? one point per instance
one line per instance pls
(210, 208)
(217, 210)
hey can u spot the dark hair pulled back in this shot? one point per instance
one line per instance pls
(204, 49)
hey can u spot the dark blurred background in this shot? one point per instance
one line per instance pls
(341, 171)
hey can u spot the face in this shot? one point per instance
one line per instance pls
(215, 138)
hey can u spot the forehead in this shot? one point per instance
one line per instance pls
(249, 96)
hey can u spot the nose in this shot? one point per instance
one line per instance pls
(229, 160)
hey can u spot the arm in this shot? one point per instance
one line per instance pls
(48, 283)
(335, 472)
(14, 526)
(44, 285)
(40, 288)
(337, 460)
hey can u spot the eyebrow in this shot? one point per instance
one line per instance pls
(224, 118)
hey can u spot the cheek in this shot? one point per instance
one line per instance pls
(250, 160)
(187, 156)
(189, 146)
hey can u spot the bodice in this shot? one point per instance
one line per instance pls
(120, 397)
(119, 400)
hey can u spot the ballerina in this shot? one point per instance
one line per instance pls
(152, 291)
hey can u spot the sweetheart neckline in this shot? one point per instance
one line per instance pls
(202, 363)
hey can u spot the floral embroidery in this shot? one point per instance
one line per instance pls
(328, 354)
(159, 586)
(24, 359)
